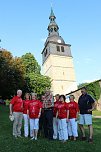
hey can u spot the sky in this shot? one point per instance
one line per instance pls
(23, 29)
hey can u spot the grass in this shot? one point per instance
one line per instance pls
(96, 113)
(10, 144)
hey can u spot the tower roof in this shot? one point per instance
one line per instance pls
(53, 33)
(52, 13)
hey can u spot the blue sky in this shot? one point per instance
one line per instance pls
(23, 28)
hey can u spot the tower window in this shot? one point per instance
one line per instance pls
(55, 29)
(58, 48)
(45, 53)
(62, 49)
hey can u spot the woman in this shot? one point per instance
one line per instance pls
(26, 118)
(73, 115)
(34, 111)
(62, 115)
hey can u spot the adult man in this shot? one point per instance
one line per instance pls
(16, 108)
(86, 105)
(48, 114)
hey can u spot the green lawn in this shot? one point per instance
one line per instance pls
(10, 144)
(96, 113)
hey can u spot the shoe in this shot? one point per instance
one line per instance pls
(90, 140)
(74, 139)
(32, 138)
(35, 138)
(83, 138)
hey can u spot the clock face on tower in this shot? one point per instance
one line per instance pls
(59, 41)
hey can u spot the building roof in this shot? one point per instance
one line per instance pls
(82, 87)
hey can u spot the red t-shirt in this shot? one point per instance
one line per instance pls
(25, 106)
(55, 108)
(73, 109)
(62, 109)
(34, 107)
(17, 103)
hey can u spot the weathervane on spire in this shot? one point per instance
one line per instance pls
(51, 4)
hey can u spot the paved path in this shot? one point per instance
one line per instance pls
(96, 116)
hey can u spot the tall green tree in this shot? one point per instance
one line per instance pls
(34, 81)
(30, 63)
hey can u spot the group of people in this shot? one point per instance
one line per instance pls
(55, 117)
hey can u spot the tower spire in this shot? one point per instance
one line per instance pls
(52, 27)
(52, 13)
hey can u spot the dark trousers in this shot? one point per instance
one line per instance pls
(48, 124)
(41, 121)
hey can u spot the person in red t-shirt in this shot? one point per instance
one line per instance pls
(62, 115)
(73, 115)
(16, 109)
(55, 120)
(34, 111)
(26, 118)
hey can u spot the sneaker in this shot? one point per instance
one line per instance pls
(35, 138)
(74, 139)
(26, 136)
(32, 138)
(90, 140)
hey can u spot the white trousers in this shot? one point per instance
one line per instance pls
(55, 128)
(26, 125)
(63, 130)
(72, 128)
(34, 125)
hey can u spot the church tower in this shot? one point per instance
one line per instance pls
(57, 60)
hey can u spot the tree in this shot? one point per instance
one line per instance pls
(11, 74)
(93, 89)
(21, 73)
(30, 63)
(82, 85)
(37, 83)
(34, 81)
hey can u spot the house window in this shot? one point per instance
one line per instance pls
(58, 48)
(62, 49)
